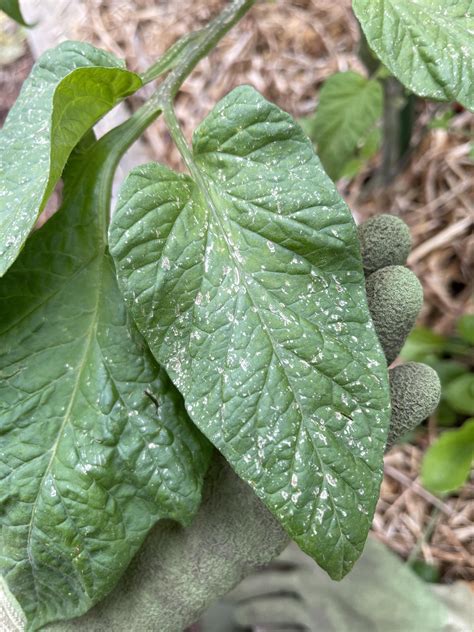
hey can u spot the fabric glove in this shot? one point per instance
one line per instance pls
(292, 594)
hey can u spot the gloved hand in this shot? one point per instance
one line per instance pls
(179, 572)
(293, 594)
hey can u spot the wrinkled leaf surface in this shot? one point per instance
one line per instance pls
(69, 89)
(427, 44)
(88, 460)
(248, 286)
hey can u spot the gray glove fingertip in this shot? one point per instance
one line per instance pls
(384, 241)
(415, 391)
(279, 612)
(395, 297)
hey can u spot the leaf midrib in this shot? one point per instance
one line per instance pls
(87, 347)
(208, 196)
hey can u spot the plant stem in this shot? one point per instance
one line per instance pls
(180, 141)
(178, 137)
(182, 59)
(397, 128)
(187, 53)
(215, 31)
(171, 57)
(366, 55)
(425, 536)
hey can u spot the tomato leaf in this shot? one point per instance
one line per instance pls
(12, 9)
(459, 394)
(248, 287)
(427, 44)
(465, 327)
(69, 89)
(95, 443)
(448, 460)
(349, 107)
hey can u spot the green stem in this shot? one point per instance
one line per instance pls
(171, 57)
(366, 55)
(397, 129)
(426, 535)
(215, 31)
(182, 58)
(180, 142)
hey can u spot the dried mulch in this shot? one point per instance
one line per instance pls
(434, 195)
(286, 49)
(418, 525)
(15, 64)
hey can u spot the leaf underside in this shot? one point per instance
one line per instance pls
(88, 462)
(427, 44)
(69, 89)
(248, 287)
(349, 107)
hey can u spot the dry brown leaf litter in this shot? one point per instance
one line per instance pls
(409, 518)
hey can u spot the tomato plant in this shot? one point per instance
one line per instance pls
(427, 46)
(223, 308)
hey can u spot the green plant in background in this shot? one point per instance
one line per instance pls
(447, 462)
(452, 357)
(345, 126)
(356, 116)
(227, 307)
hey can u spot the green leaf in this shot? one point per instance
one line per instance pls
(248, 286)
(448, 460)
(69, 89)
(349, 107)
(422, 342)
(447, 370)
(365, 153)
(12, 9)
(442, 120)
(465, 328)
(427, 44)
(460, 394)
(88, 460)
(445, 415)
(427, 572)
